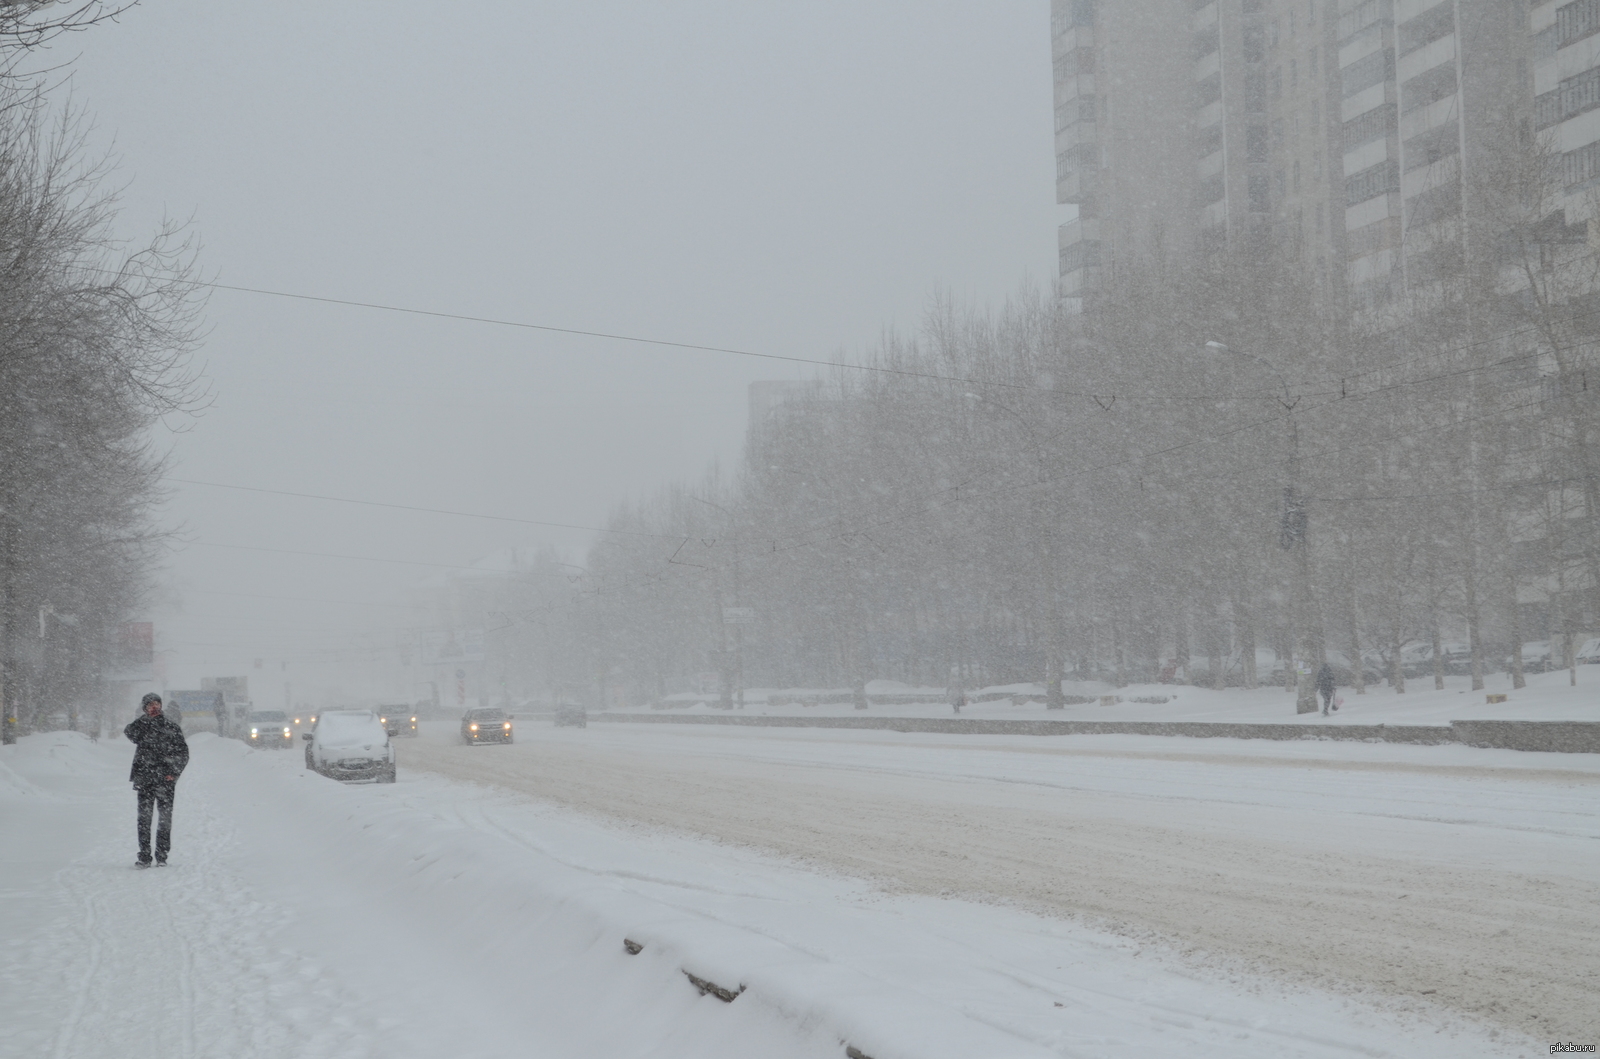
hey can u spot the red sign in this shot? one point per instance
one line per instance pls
(136, 643)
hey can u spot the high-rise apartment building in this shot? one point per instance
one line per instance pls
(1430, 89)
(1339, 132)
(1565, 53)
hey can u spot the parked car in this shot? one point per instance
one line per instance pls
(268, 729)
(487, 724)
(1417, 659)
(572, 716)
(399, 720)
(352, 746)
(1540, 656)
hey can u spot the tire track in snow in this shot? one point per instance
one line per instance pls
(1497, 940)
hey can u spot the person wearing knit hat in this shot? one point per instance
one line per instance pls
(160, 759)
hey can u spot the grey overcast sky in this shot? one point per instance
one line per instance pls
(786, 178)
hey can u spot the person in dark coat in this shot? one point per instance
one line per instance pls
(1325, 686)
(160, 759)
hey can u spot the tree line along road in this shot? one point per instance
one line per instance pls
(1469, 878)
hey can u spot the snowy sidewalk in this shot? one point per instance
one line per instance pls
(433, 918)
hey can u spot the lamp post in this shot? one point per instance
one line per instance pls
(1293, 528)
(1044, 536)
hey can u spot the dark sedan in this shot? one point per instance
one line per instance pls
(485, 726)
(398, 720)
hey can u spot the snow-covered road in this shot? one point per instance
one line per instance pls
(1467, 877)
(436, 917)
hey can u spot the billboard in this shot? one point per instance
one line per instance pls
(234, 689)
(451, 646)
(135, 654)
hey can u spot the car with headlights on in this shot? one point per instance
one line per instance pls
(352, 746)
(399, 720)
(485, 725)
(268, 728)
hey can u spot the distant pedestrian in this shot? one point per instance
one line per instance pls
(1325, 687)
(160, 759)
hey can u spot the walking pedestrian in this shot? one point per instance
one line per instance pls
(1325, 686)
(160, 759)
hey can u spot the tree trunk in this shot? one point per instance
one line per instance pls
(1474, 634)
(1247, 640)
(1517, 679)
(1438, 659)
(1357, 664)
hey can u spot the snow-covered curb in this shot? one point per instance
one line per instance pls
(1569, 737)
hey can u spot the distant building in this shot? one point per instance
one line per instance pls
(1334, 130)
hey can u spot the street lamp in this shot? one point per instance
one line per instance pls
(1293, 527)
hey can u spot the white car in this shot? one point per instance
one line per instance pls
(352, 746)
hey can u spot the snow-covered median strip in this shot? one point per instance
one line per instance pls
(438, 918)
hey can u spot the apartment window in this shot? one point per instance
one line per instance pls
(1431, 146)
(1581, 166)
(1580, 93)
(1316, 114)
(1071, 63)
(1082, 254)
(1311, 64)
(1277, 82)
(1208, 91)
(1316, 164)
(1255, 44)
(1277, 133)
(1255, 92)
(1260, 194)
(1427, 27)
(1428, 87)
(1545, 43)
(1577, 20)
(1281, 179)
(1372, 70)
(1297, 175)
(1375, 124)
(1208, 141)
(1370, 183)
(1255, 143)
(1319, 218)
(1294, 74)
(1206, 42)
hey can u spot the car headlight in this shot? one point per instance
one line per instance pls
(254, 732)
(413, 720)
(286, 733)
(474, 728)
(508, 726)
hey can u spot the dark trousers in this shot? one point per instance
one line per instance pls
(150, 798)
(1327, 698)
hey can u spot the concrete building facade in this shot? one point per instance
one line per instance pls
(1333, 131)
